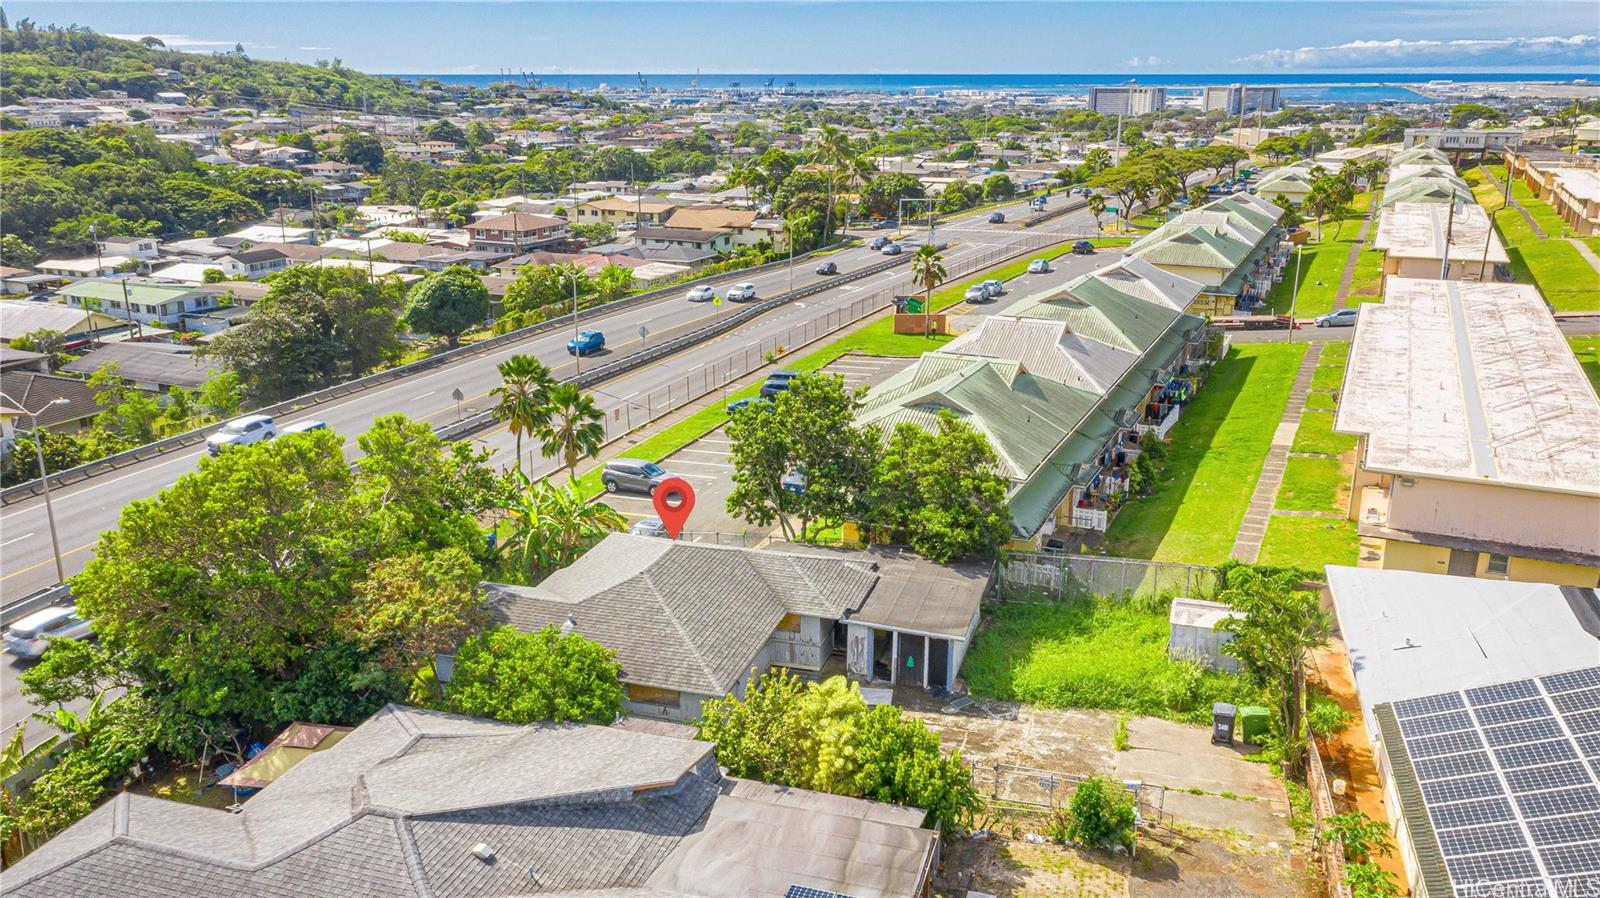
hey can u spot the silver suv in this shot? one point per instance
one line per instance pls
(632, 475)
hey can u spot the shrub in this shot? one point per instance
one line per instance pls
(1325, 717)
(1101, 814)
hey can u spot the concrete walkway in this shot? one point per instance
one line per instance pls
(1584, 251)
(1349, 274)
(1253, 529)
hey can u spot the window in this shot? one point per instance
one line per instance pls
(651, 695)
(1498, 564)
(790, 623)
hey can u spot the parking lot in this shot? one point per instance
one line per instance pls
(704, 462)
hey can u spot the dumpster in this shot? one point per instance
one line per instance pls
(1253, 721)
(1222, 717)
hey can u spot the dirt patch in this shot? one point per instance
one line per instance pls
(1013, 868)
(1074, 742)
(1185, 863)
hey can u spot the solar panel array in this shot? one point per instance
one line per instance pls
(809, 892)
(1510, 774)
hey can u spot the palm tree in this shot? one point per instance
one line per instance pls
(573, 426)
(549, 526)
(834, 151)
(927, 269)
(523, 397)
(1097, 208)
(1098, 160)
(14, 758)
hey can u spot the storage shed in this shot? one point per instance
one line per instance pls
(1194, 634)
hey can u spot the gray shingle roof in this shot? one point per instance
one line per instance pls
(396, 807)
(683, 616)
(165, 364)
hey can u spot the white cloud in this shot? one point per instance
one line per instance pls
(1138, 61)
(1581, 50)
(314, 49)
(178, 41)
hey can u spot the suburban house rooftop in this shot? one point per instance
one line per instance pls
(408, 803)
(1418, 231)
(1470, 382)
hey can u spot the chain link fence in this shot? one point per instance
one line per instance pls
(1057, 577)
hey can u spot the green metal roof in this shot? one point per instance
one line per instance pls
(1422, 190)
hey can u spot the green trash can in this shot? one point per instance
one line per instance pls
(1253, 721)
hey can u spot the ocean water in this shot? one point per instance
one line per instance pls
(1339, 87)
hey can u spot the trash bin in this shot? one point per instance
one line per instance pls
(1222, 717)
(1253, 721)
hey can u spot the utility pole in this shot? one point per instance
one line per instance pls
(127, 307)
(1449, 225)
(44, 478)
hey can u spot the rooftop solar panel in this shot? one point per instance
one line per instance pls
(1572, 679)
(1509, 774)
(809, 892)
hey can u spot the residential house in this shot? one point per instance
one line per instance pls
(12, 359)
(34, 392)
(415, 802)
(284, 157)
(617, 211)
(148, 302)
(692, 622)
(517, 203)
(1478, 435)
(143, 248)
(19, 319)
(266, 232)
(1064, 385)
(1232, 247)
(91, 267)
(515, 232)
(744, 228)
(333, 171)
(1418, 238)
(148, 366)
(1480, 702)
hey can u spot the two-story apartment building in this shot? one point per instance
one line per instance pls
(1432, 240)
(1232, 247)
(515, 232)
(744, 228)
(647, 212)
(1478, 436)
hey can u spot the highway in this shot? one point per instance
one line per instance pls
(83, 510)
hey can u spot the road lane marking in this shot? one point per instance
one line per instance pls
(51, 560)
(15, 539)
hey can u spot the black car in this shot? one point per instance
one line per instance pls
(997, 217)
(879, 242)
(885, 223)
(777, 382)
(828, 268)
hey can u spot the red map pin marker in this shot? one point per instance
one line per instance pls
(674, 499)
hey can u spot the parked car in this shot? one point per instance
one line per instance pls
(633, 475)
(241, 432)
(587, 343)
(892, 249)
(651, 526)
(746, 402)
(997, 217)
(1083, 248)
(828, 267)
(777, 382)
(995, 288)
(30, 636)
(885, 223)
(794, 482)
(976, 293)
(1341, 318)
(303, 427)
(745, 292)
(1039, 266)
(879, 242)
(702, 293)
(1085, 191)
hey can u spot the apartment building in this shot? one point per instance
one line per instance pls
(1127, 100)
(1237, 98)
(515, 232)
(1463, 140)
(1455, 242)
(1232, 247)
(1478, 450)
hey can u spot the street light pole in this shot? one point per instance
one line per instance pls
(44, 477)
(1294, 295)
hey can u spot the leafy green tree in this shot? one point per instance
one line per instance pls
(1278, 147)
(594, 232)
(1361, 837)
(1282, 623)
(898, 760)
(523, 397)
(1098, 160)
(444, 129)
(124, 410)
(1368, 880)
(882, 195)
(15, 251)
(613, 283)
(541, 676)
(760, 736)
(573, 429)
(362, 148)
(1198, 196)
(42, 340)
(546, 285)
(14, 759)
(411, 607)
(315, 328)
(1464, 114)
(1097, 208)
(61, 451)
(954, 198)
(548, 526)
(1101, 814)
(939, 492)
(810, 429)
(447, 303)
(221, 394)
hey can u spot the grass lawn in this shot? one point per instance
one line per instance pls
(1562, 274)
(1315, 433)
(1367, 283)
(1095, 654)
(1321, 266)
(1587, 349)
(1328, 377)
(1311, 484)
(1217, 450)
(1309, 543)
(1317, 400)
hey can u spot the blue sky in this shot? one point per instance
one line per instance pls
(887, 36)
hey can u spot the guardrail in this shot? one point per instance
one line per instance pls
(28, 604)
(68, 476)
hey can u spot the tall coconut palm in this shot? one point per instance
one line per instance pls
(927, 269)
(1097, 208)
(834, 151)
(523, 397)
(1098, 160)
(549, 525)
(573, 427)
(15, 758)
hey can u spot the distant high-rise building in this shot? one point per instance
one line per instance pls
(1235, 99)
(1127, 100)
